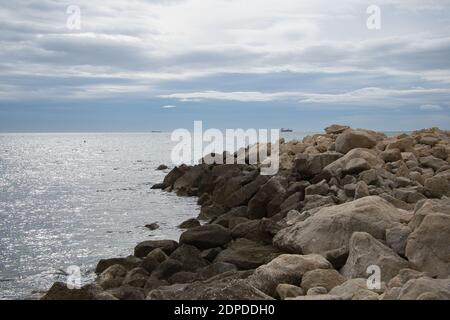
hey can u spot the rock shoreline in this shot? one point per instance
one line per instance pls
(343, 201)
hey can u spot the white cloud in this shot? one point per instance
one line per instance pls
(169, 106)
(431, 107)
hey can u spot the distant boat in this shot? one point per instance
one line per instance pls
(286, 130)
(156, 131)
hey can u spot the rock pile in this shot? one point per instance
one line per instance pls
(343, 201)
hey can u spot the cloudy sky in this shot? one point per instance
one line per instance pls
(139, 65)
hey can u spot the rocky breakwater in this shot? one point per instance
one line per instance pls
(341, 202)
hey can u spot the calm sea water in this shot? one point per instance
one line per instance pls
(72, 199)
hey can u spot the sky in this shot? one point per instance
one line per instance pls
(141, 65)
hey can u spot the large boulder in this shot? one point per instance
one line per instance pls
(428, 246)
(246, 254)
(128, 263)
(206, 236)
(112, 277)
(327, 278)
(366, 251)
(189, 180)
(370, 156)
(328, 231)
(354, 289)
(257, 207)
(286, 268)
(423, 288)
(60, 291)
(310, 165)
(439, 185)
(351, 139)
(190, 257)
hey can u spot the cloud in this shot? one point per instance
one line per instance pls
(169, 106)
(430, 107)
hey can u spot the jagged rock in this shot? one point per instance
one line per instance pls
(353, 289)
(351, 139)
(60, 291)
(145, 247)
(366, 251)
(370, 177)
(330, 229)
(189, 223)
(315, 201)
(189, 180)
(211, 211)
(183, 277)
(428, 245)
(396, 238)
(224, 219)
(211, 253)
(246, 254)
(432, 162)
(174, 174)
(404, 276)
(287, 268)
(256, 230)
(243, 194)
(257, 206)
(327, 278)
(335, 168)
(403, 144)
(167, 268)
(439, 185)
(149, 263)
(206, 236)
(284, 290)
(154, 283)
(128, 263)
(355, 166)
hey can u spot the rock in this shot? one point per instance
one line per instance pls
(361, 190)
(314, 291)
(396, 238)
(310, 165)
(427, 207)
(183, 277)
(158, 186)
(216, 269)
(246, 254)
(327, 278)
(150, 263)
(210, 254)
(190, 257)
(174, 175)
(211, 211)
(224, 219)
(428, 245)
(189, 180)
(162, 167)
(167, 268)
(355, 166)
(136, 277)
(60, 291)
(284, 290)
(112, 277)
(128, 263)
(391, 155)
(242, 195)
(366, 251)
(320, 188)
(158, 255)
(403, 144)
(256, 230)
(329, 230)
(351, 139)
(154, 283)
(409, 194)
(152, 226)
(404, 276)
(432, 162)
(323, 297)
(286, 268)
(127, 292)
(336, 128)
(315, 201)
(439, 185)
(335, 168)
(189, 223)
(431, 141)
(206, 236)
(353, 289)
(227, 286)
(144, 248)
(257, 206)
(421, 288)
(370, 177)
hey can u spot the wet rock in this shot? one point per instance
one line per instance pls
(144, 248)
(162, 167)
(257, 206)
(211, 253)
(127, 292)
(157, 186)
(152, 226)
(183, 277)
(158, 255)
(190, 257)
(60, 291)
(149, 263)
(112, 277)
(174, 175)
(136, 277)
(216, 269)
(167, 268)
(206, 236)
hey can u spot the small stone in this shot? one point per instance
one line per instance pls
(152, 226)
(316, 291)
(162, 167)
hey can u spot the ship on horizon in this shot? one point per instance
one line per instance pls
(286, 130)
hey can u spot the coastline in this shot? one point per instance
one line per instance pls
(341, 202)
